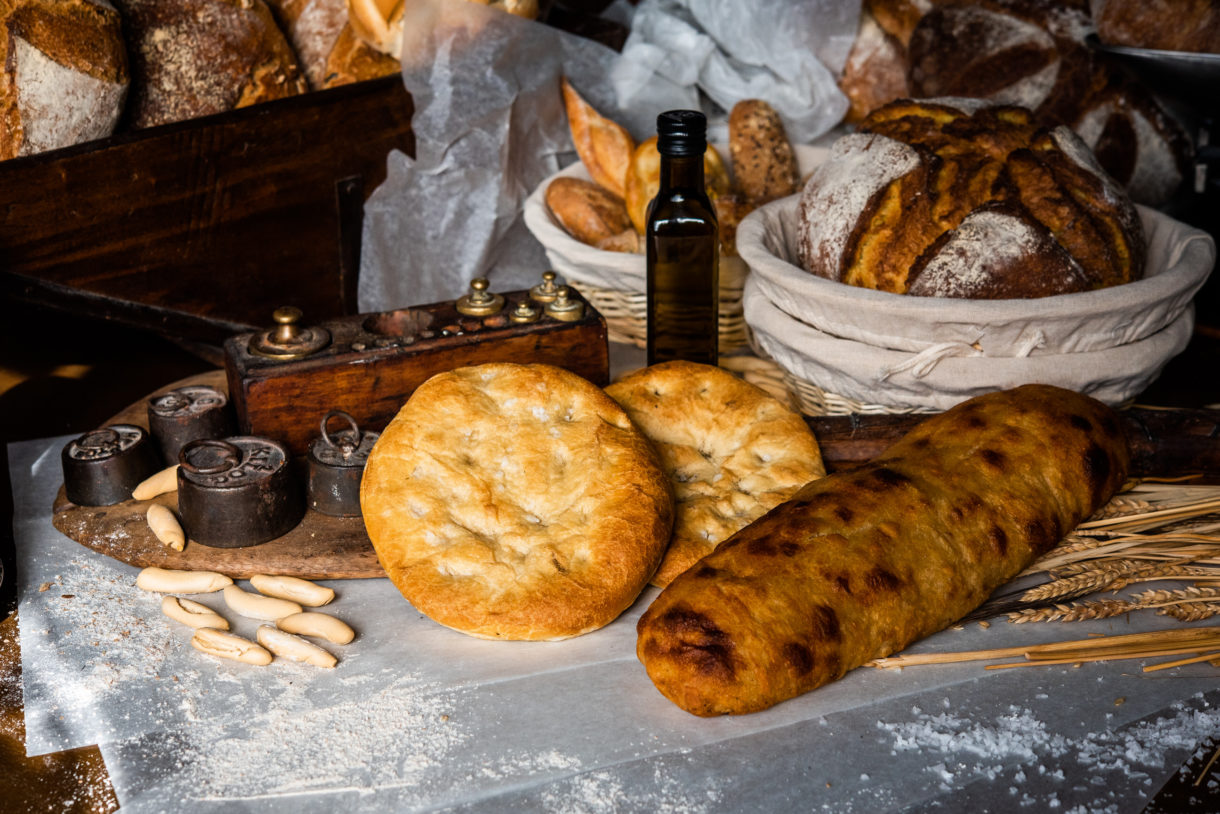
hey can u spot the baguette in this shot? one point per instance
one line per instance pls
(858, 565)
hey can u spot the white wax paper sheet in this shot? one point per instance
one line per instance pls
(489, 121)
(419, 717)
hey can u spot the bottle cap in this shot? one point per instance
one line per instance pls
(681, 133)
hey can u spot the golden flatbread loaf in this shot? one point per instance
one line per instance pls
(732, 452)
(859, 564)
(516, 502)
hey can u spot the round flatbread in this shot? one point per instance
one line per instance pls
(732, 452)
(516, 502)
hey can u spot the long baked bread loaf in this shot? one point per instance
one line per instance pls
(859, 564)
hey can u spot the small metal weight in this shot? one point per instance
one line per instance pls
(180, 416)
(237, 492)
(102, 466)
(336, 465)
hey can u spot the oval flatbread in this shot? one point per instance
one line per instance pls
(732, 452)
(516, 502)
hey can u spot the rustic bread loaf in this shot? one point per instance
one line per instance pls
(1167, 25)
(194, 58)
(326, 47)
(960, 198)
(764, 165)
(859, 564)
(516, 502)
(63, 75)
(1025, 52)
(589, 213)
(731, 451)
(379, 23)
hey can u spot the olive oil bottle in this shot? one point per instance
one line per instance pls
(682, 241)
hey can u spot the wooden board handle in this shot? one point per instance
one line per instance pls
(1164, 442)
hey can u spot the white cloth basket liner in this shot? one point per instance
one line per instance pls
(579, 262)
(1180, 258)
(877, 375)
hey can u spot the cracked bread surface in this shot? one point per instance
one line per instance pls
(516, 502)
(732, 452)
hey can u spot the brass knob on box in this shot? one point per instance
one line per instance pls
(525, 312)
(480, 302)
(564, 308)
(546, 291)
(289, 339)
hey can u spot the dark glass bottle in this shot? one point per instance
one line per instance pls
(682, 240)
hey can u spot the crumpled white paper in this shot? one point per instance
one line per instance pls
(490, 126)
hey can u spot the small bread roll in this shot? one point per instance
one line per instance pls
(764, 165)
(644, 179)
(193, 58)
(604, 147)
(590, 213)
(64, 75)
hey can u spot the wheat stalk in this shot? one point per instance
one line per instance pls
(1075, 612)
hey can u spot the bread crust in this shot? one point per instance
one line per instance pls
(194, 58)
(590, 213)
(516, 502)
(63, 74)
(604, 146)
(731, 451)
(859, 564)
(764, 165)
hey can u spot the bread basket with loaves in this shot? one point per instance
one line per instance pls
(914, 272)
(592, 234)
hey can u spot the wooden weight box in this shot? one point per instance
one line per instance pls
(283, 381)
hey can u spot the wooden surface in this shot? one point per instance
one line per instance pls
(201, 228)
(319, 547)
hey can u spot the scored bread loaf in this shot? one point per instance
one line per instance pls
(329, 51)
(63, 75)
(859, 564)
(960, 198)
(193, 58)
(1167, 25)
(1031, 53)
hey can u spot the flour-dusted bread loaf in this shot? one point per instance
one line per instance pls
(329, 52)
(1031, 53)
(63, 75)
(193, 58)
(731, 452)
(960, 198)
(516, 502)
(859, 564)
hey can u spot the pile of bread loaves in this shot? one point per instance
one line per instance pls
(1034, 53)
(77, 70)
(610, 211)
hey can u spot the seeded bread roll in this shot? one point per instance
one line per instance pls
(859, 564)
(764, 165)
(328, 50)
(961, 198)
(193, 58)
(63, 76)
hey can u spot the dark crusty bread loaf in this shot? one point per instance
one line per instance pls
(1031, 53)
(959, 198)
(63, 74)
(192, 58)
(859, 564)
(1167, 25)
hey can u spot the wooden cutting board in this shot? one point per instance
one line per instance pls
(1164, 443)
(319, 547)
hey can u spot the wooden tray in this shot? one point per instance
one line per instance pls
(1164, 443)
(319, 547)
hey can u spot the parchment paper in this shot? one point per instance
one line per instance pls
(489, 121)
(417, 716)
